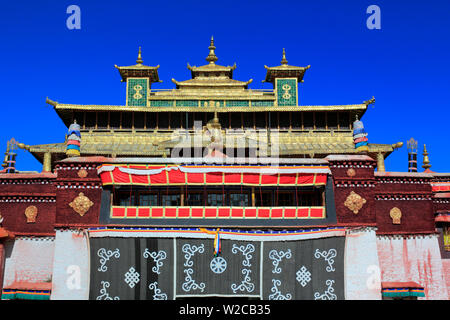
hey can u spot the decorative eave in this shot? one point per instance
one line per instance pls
(285, 71)
(212, 68)
(212, 83)
(139, 70)
(64, 111)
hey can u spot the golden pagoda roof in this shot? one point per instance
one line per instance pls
(211, 75)
(285, 70)
(213, 83)
(65, 111)
(157, 143)
(139, 70)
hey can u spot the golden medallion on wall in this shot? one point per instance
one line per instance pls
(82, 173)
(354, 202)
(81, 204)
(31, 214)
(396, 215)
(351, 172)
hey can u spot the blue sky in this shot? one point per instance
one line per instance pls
(405, 65)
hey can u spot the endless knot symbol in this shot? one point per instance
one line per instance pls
(138, 94)
(132, 277)
(286, 88)
(218, 265)
(303, 276)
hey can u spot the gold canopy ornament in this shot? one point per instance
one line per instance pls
(283, 59)
(212, 58)
(139, 58)
(354, 202)
(81, 204)
(426, 161)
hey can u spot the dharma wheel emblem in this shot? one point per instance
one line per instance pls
(31, 214)
(81, 204)
(354, 202)
(396, 215)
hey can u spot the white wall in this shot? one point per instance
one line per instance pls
(71, 266)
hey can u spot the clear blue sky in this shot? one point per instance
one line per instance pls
(405, 65)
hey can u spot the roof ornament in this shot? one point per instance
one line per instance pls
(426, 161)
(212, 58)
(412, 155)
(360, 136)
(283, 60)
(73, 140)
(369, 102)
(139, 58)
(9, 164)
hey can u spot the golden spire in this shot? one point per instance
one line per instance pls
(426, 161)
(283, 60)
(211, 58)
(139, 58)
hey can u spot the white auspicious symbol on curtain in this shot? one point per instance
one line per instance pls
(277, 256)
(246, 252)
(328, 294)
(158, 295)
(276, 295)
(218, 265)
(157, 258)
(132, 277)
(328, 256)
(105, 295)
(303, 276)
(104, 257)
(190, 283)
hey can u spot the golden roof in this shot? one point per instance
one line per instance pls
(212, 76)
(139, 70)
(155, 143)
(285, 71)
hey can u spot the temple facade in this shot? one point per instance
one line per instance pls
(215, 189)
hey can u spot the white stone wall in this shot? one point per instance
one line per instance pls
(71, 266)
(413, 258)
(362, 277)
(28, 260)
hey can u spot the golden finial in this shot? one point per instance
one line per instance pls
(283, 60)
(426, 161)
(139, 58)
(211, 58)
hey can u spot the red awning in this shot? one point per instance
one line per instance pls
(213, 175)
(440, 186)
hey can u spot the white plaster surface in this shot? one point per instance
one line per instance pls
(362, 279)
(415, 259)
(28, 260)
(70, 266)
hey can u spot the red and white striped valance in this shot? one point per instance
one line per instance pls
(213, 175)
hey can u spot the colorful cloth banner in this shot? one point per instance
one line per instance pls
(10, 294)
(213, 175)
